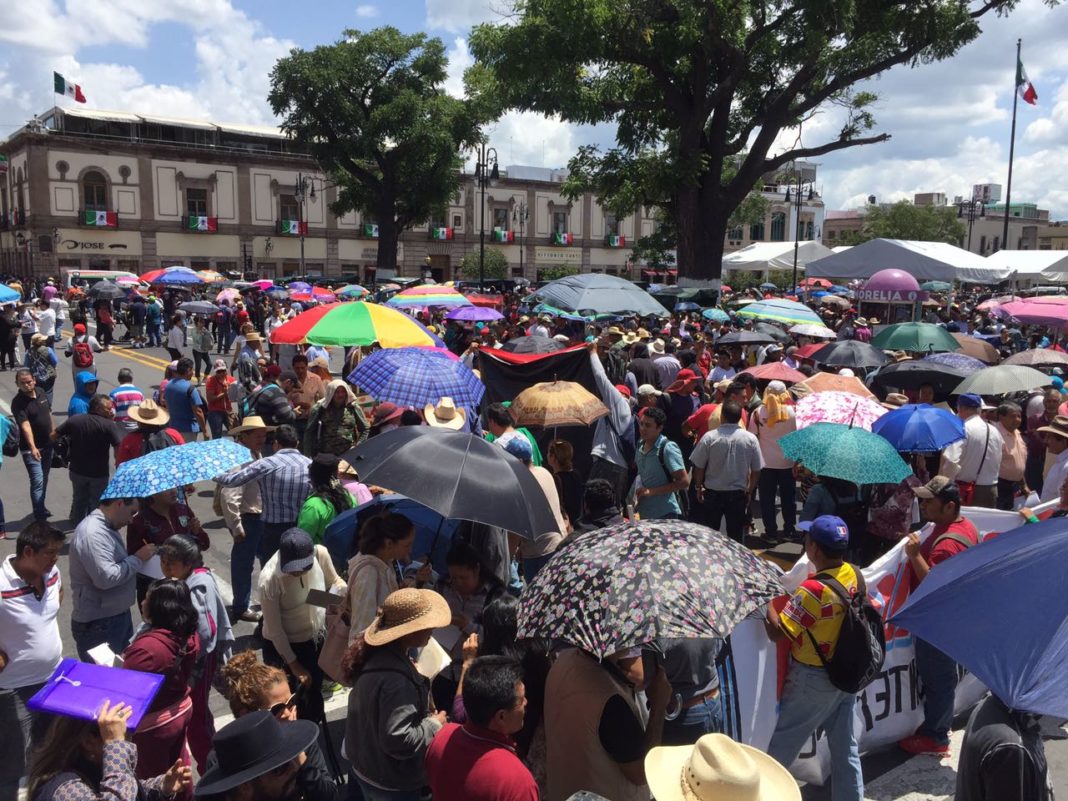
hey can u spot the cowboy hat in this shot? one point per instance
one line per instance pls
(405, 612)
(149, 412)
(252, 336)
(657, 347)
(615, 331)
(895, 400)
(717, 768)
(445, 414)
(1059, 426)
(251, 746)
(251, 423)
(630, 338)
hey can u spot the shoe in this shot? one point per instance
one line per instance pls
(331, 687)
(921, 744)
(251, 616)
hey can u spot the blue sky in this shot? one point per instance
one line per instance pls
(211, 58)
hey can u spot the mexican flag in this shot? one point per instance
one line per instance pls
(436, 233)
(65, 87)
(370, 230)
(563, 239)
(1024, 87)
(617, 241)
(3, 163)
(500, 235)
(294, 227)
(202, 223)
(101, 219)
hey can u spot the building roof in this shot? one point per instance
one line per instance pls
(926, 261)
(106, 115)
(843, 215)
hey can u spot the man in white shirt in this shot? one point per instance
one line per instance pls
(45, 318)
(975, 461)
(1056, 435)
(723, 369)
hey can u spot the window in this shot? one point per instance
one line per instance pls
(756, 232)
(95, 191)
(611, 224)
(500, 218)
(437, 219)
(736, 234)
(559, 222)
(778, 226)
(288, 208)
(810, 228)
(196, 202)
(457, 222)
(831, 234)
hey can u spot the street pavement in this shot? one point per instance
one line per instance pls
(889, 775)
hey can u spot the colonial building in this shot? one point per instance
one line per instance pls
(94, 189)
(794, 210)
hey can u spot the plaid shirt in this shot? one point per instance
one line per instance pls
(284, 484)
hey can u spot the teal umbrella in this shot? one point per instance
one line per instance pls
(936, 286)
(915, 338)
(851, 454)
(716, 315)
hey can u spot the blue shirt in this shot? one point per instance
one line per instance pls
(653, 507)
(182, 397)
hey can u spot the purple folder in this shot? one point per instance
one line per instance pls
(79, 689)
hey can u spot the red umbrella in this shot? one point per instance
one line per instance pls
(486, 301)
(317, 295)
(152, 276)
(807, 351)
(776, 371)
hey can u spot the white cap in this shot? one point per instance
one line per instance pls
(649, 389)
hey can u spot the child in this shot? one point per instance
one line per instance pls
(180, 558)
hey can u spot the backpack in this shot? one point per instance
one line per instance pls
(156, 441)
(82, 354)
(861, 649)
(682, 497)
(615, 365)
(11, 441)
(44, 372)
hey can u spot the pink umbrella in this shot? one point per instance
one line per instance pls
(263, 284)
(993, 303)
(229, 294)
(775, 371)
(1033, 312)
(838, 407)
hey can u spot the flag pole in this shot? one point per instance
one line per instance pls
(1012, 147)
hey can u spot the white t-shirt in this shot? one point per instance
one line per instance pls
(29, 628)
(46, 322)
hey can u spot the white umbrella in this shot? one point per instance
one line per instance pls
(813, 330)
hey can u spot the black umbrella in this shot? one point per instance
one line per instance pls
(198, 307)
(458, 475)
(850, 353)
(745, 338)
(106, 290)
(912, 374)
(532, 344)
(774, 332)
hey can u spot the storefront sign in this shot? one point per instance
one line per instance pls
(74, 244)
(558, 255)
(891, 296)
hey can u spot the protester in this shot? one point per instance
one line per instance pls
(974, 462)
(662, 476)
(217, 396)
(85, 386)
(125, 396)
(92, 437)
(536, 553)
(152, 432)
(202, 345)
(328, 498)
(268, 400)
(599, 507)
(159, 517)
(385, 541)
(560, 457)
(185, 404)
(335, 422)
(727, 464)
(33, 415)
(41, 360)
(771, 422)
(1056, 440)
(80, 350)
(690, 666)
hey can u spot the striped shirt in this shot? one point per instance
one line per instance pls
(123, 397)
(284, 484)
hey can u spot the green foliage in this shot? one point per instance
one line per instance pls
(373, 111)
(496, 265)
(553, 273)
(903, 220)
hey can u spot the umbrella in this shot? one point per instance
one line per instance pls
(178, 276)
(9, 295)
(458, 475)
(175, 467)
(936, 286)
(774, 332)
(919, 428)
(914, 374)
(993, 303)
(775, 371)
(849, 453)
(1003, 379)
(981, 609)
(915, 337)
(806, 351)
(716, 315)
(415, 377)
(832, 382)
(628, 584)
(426, 296)
(745, 338)
(106, 290)
(557, 403)
(1038, 357)
(839, 290)
(230, 294)
(262, 284)
(977, 348)
(352, 324)
(532, 344)
(276, 292)
(808, 283)
(318, 294)
(850, 353)
(600, 294)
(958, 361)
(838, 407)
(836, 300)
(474, 314)
(1037, 311)
(299, 286)
(198, 307)
(768, 285)
(812, 330)
(211, 276)
(780, 310)
(351, 291)
(687, 306)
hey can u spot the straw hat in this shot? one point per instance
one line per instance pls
(251, 423)
(895, 400)
(1059, 426)
(717, 769)
(445, 414)
(150, 413)
(405, 612)
(657, 347)
(252, 336)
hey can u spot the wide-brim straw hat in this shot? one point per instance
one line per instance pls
(150, 413)
(405, 612)
(445, 415)
(251, 423)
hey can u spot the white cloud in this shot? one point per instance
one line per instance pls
(460, 59)
(366, 11)
(459, 16)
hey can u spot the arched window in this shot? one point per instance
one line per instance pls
(778, 226)
(95, 191)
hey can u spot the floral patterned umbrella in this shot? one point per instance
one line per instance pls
(627, 584)
(175, 467)
(838, 407)
(557, 403)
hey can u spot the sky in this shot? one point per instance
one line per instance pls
(949, 121)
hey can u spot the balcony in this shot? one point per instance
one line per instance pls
(200, 223)
(562, 239)
(440, 233)
(290, 228)
(615, 241)
(92, 218)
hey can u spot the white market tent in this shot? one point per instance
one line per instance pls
(763, 257)
(925, 261)
(1031, 267)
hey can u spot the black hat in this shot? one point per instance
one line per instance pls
(251, 746)
(296, 551)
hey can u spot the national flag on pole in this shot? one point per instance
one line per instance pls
(370, 230)
(202, 223)
(500, 235)
(65, 87)
(563, 239)
(439, 233)
(101, 219)
(294, 227)
(617, 241)
(1024, 87)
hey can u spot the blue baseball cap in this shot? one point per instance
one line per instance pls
(970, 399)
(520, 448)
(829, 531)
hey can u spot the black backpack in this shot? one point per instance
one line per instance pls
(156, 441)
(861, 649)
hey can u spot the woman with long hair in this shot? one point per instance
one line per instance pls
(328, 498)
(175, 336)
(384, 540)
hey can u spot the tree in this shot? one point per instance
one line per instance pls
(373, 111)
(496, 265)
(699, 90)
(903, 220)
(556, 272)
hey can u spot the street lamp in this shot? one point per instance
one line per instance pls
(972, 209)
(797, 201)
(484, 156)
(520, 215)
(428, 274)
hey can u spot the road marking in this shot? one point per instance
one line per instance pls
(140, 358)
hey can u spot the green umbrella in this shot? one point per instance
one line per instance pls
(915, 338)
(851, 454)
(1003, 379)
(936, 286)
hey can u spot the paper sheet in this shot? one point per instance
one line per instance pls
(103, 655)
(432, 659)
(152, 568)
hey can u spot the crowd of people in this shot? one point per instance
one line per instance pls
(690, 434)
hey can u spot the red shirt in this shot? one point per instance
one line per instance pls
(148, 526)
(132, 443)
(213, 386)
(934, 551)
(470, 763)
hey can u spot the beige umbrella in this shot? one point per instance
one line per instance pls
(557, 403)
(836, 300)
(832, 382)
(977, 348)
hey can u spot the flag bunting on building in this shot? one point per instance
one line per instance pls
(101, 219)
(437, 233)
(617, 241)
(501, 235)
(202, 223)
(294, 228)
(65, 87)
(3, 163)
(370, 230)
(1024, 87)
(563, 239)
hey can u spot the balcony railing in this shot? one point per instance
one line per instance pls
(91, 218)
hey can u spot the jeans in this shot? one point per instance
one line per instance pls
(809, 700)
(242, 560)
(198, 357)
(372, 793)
(938, 673)
(693, 723)
(155, 336)
(85, 495)
(116, 631)
(217, 423)
(23, 729)
(781, 481)
(38, 473)
(729, 504)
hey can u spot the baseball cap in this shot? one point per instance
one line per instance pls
(219, 365)
(649, 389)
(296, 551)
(970, 399)
(520, 448)
(939, 487)
(623, 390)
(828, 531)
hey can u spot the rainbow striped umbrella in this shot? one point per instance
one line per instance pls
(780, 310)
(429, 295)
(351, 291)
(352, 324)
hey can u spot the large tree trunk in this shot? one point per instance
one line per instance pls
(388, 236)
(701, 221)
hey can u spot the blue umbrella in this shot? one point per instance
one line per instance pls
(716, 315)
(958, 361)
(686, 306)
(175, 467)
(276, 292)
(768, 285)
(1000, 610)
(837, 289)
(417, 376)
(8, 295)
(179, 276)
(919, 428)
(819, 293)
(299, 286)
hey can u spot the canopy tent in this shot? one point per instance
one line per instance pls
(763, 257)
(925, 261)
(600, 294)
(1031, 267)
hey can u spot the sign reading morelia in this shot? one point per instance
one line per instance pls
(891, 296)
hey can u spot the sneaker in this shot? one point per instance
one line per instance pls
(331, 687)
(920, 744)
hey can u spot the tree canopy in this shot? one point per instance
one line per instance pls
(902, 220)
(373, 111)
(496, 265)
(700, 90)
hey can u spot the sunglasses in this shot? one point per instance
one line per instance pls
(289, 703)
